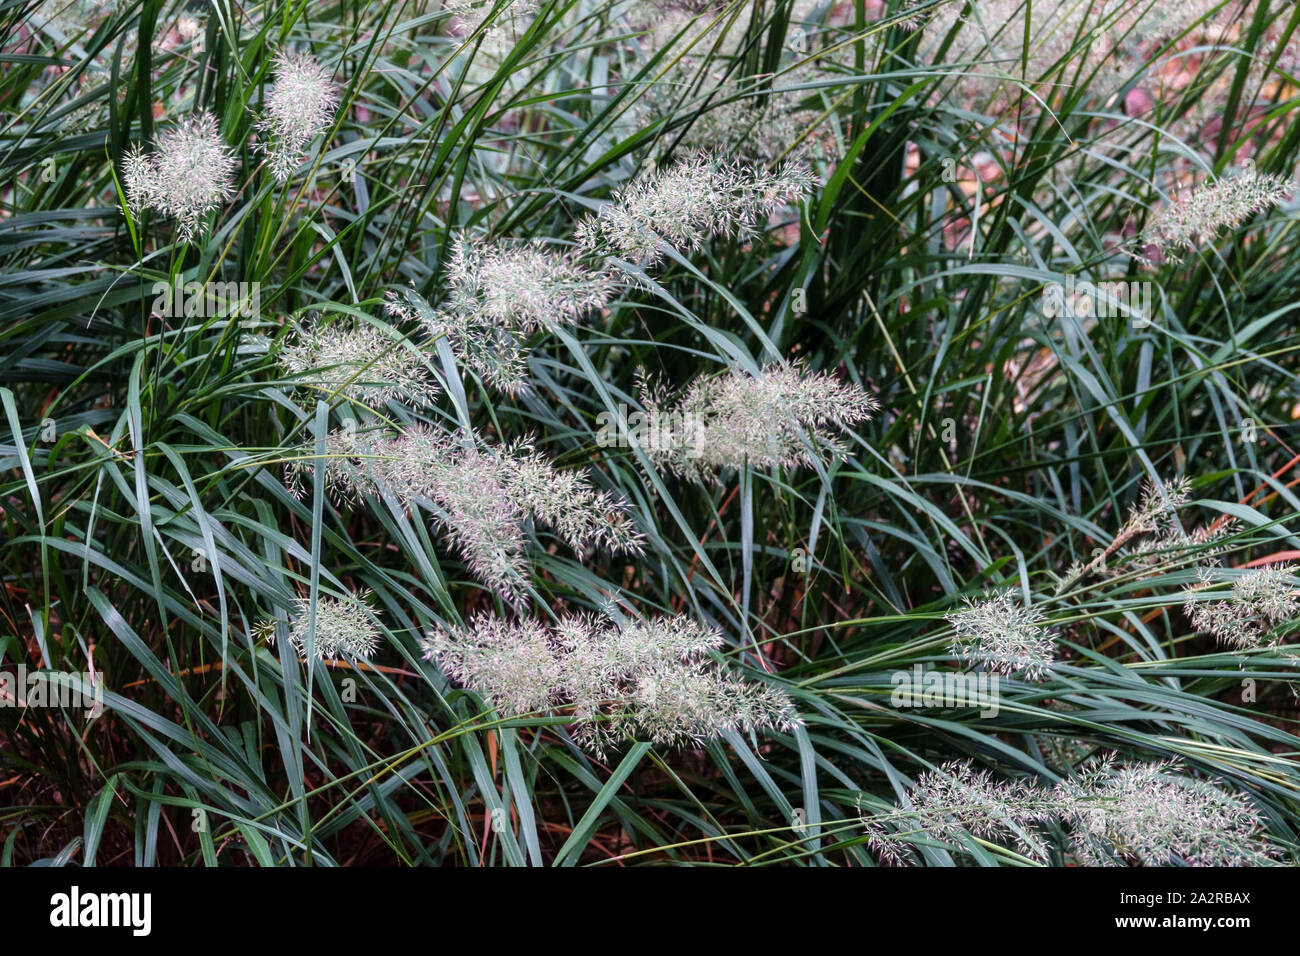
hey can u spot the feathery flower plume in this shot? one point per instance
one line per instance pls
(686, 205)
(527, 288)
(1155, 514)
(347, 466)
(497, 296)
(1156, 517)
(1171, 546)
(299, 107)
(484, 496)
(1145, 814)
(493, 353)
(189, 174)
(1151, 815)
(1212, 207)
(513, 666)
(344, 627)
(956, 802)
(1261, 600)
(777, 419)
(363, 363)
(1158, 506)
(646, 678)
(1002, 635)
(654, 679)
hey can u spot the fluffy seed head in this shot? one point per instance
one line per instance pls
(998, 633)
(364, 363)
(1269, 591)
(688, 204)
(482, 495)
(1201, 215)
(1144, 814)
(491, 351)
(1153, 816)
(344, 627)
(680, 705)
(189, 174)
(780, 418)
(299, 107)
(498, 294)
(1159, 504)
(955, 802)
(1156, 532)
(649, 678)
(1261, 600)
(524, 288)
(513, 666)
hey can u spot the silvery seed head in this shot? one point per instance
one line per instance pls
(137, 179)
(472, 495)
(1261, 600)
(955, 802)
(654, 679)
(612, 672)
(493, 353)
(189, 174)
(1154, 524)
(299, 107)
(1155, 520)
(366, 364)
(513, 666)
(1152, 539)
(682, 705)
(781, 418)
(1193, 219)
(482, 495)
(524, 288)
(686, 205)
(1148, 814)
(1269, 592)
(649, 679)
(1000, 634)
(498, 294)
(344, 627)
(348, 466)
(422, 465)
(566, 501)
(1159, 505)
(1144, 814)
